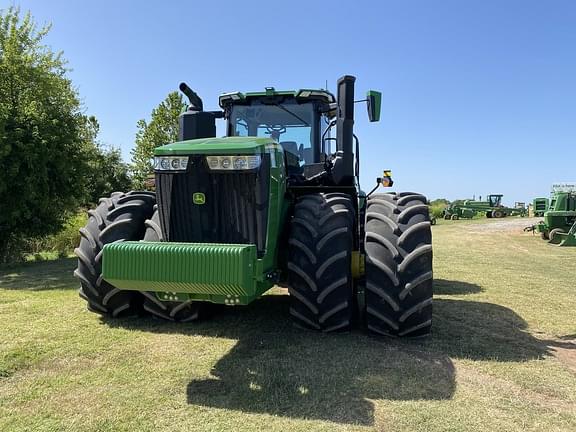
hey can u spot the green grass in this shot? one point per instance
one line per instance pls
(502, 355)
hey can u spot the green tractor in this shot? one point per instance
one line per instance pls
(492, 208)
(272, 203)
(559, 224)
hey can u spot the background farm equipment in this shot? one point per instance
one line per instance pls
(559, 224)
(539, 206)
(492, 208)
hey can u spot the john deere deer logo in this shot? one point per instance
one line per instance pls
(199, 198)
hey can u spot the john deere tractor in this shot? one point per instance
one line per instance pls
(272, 203)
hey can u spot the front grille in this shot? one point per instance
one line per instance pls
(235, 209)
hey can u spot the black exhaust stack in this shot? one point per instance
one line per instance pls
(343, 172)
(195, 101)
(195, 122)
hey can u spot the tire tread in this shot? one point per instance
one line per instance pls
(399, 278)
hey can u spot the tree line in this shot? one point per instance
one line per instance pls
(52, 162)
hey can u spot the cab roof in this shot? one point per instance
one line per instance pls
(270, 92)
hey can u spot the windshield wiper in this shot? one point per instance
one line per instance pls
(291, 113)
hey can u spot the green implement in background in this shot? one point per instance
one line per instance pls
(558, 226)
(492, 208)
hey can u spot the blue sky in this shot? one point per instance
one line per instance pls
(478, 96)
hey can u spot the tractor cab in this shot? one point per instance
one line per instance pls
(495, 200)
(296, 120)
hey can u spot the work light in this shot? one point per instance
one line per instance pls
(170, 163)
(233, 163)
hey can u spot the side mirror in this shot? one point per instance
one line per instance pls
(374, 102)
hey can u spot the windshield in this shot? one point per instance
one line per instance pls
(291, 124)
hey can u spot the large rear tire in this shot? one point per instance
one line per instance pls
(319, 262)
(117, 218)
(398, 246)
(169, 310)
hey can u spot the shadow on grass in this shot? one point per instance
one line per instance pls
(449, 287)
(279, 370)
(41, 275)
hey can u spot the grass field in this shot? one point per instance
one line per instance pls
(502, 356)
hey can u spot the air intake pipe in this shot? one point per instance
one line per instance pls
(344, 169)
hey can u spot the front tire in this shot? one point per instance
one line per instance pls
(119, 217)
(319, 262)
(399, 280)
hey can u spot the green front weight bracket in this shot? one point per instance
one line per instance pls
(220, 273)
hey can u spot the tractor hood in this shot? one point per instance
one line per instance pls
(226, 145)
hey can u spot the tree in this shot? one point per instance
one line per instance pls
(42, 158)
(440, 201)
(106, 172)
(162, 129)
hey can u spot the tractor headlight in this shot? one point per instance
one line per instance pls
(240, 163)
(225, 163)
(233, 163)
(170, 163)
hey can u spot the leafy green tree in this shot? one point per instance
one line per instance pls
(42, 158)
(162, 129)
(440, 201)
(106, 171)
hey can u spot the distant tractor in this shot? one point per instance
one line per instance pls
(492, 208)
(539, 206)
(559, 224)
(271, 203)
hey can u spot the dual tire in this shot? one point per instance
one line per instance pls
(398, 266)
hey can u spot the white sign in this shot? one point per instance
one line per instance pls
(564, 187)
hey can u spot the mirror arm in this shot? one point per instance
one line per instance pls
(378, 181)
(330, 126)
